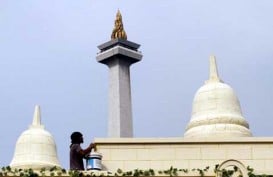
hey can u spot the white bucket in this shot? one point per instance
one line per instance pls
(93, 161)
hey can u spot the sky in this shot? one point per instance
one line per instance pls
(48, 58)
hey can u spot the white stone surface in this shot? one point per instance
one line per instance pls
(119, 59)
(35, 148)
(185, 153)
(216, 110)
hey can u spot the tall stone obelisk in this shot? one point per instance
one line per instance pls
(118, 54)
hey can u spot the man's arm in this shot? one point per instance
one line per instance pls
(86, 151)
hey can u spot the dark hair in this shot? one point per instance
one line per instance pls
(76, 137)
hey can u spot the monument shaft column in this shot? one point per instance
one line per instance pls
(118, 56)
(120, 107)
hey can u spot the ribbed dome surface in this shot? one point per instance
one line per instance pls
(35, 148)
(216, 110)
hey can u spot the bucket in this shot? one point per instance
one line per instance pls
(93, 161)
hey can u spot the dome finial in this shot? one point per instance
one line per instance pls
(118, 31)
(213, 72)
(37, 117)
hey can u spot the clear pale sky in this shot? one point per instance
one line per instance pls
(48, 51)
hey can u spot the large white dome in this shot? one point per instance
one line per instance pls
(216, 110)
(35, 148)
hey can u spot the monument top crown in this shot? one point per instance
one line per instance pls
(118, 31)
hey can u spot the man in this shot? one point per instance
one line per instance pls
(76, 152)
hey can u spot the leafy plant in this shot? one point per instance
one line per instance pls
(55, 171)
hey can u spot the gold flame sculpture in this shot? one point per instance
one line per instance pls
(118, 31)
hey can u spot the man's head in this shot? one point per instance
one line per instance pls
(76, 138)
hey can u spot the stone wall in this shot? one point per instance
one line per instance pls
(162, 153)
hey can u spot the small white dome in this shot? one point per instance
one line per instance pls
(216, 110)
(35, 148)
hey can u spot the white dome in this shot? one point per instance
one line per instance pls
(35, 148)
(216, 110)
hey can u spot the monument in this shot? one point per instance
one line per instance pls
(119, 54)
